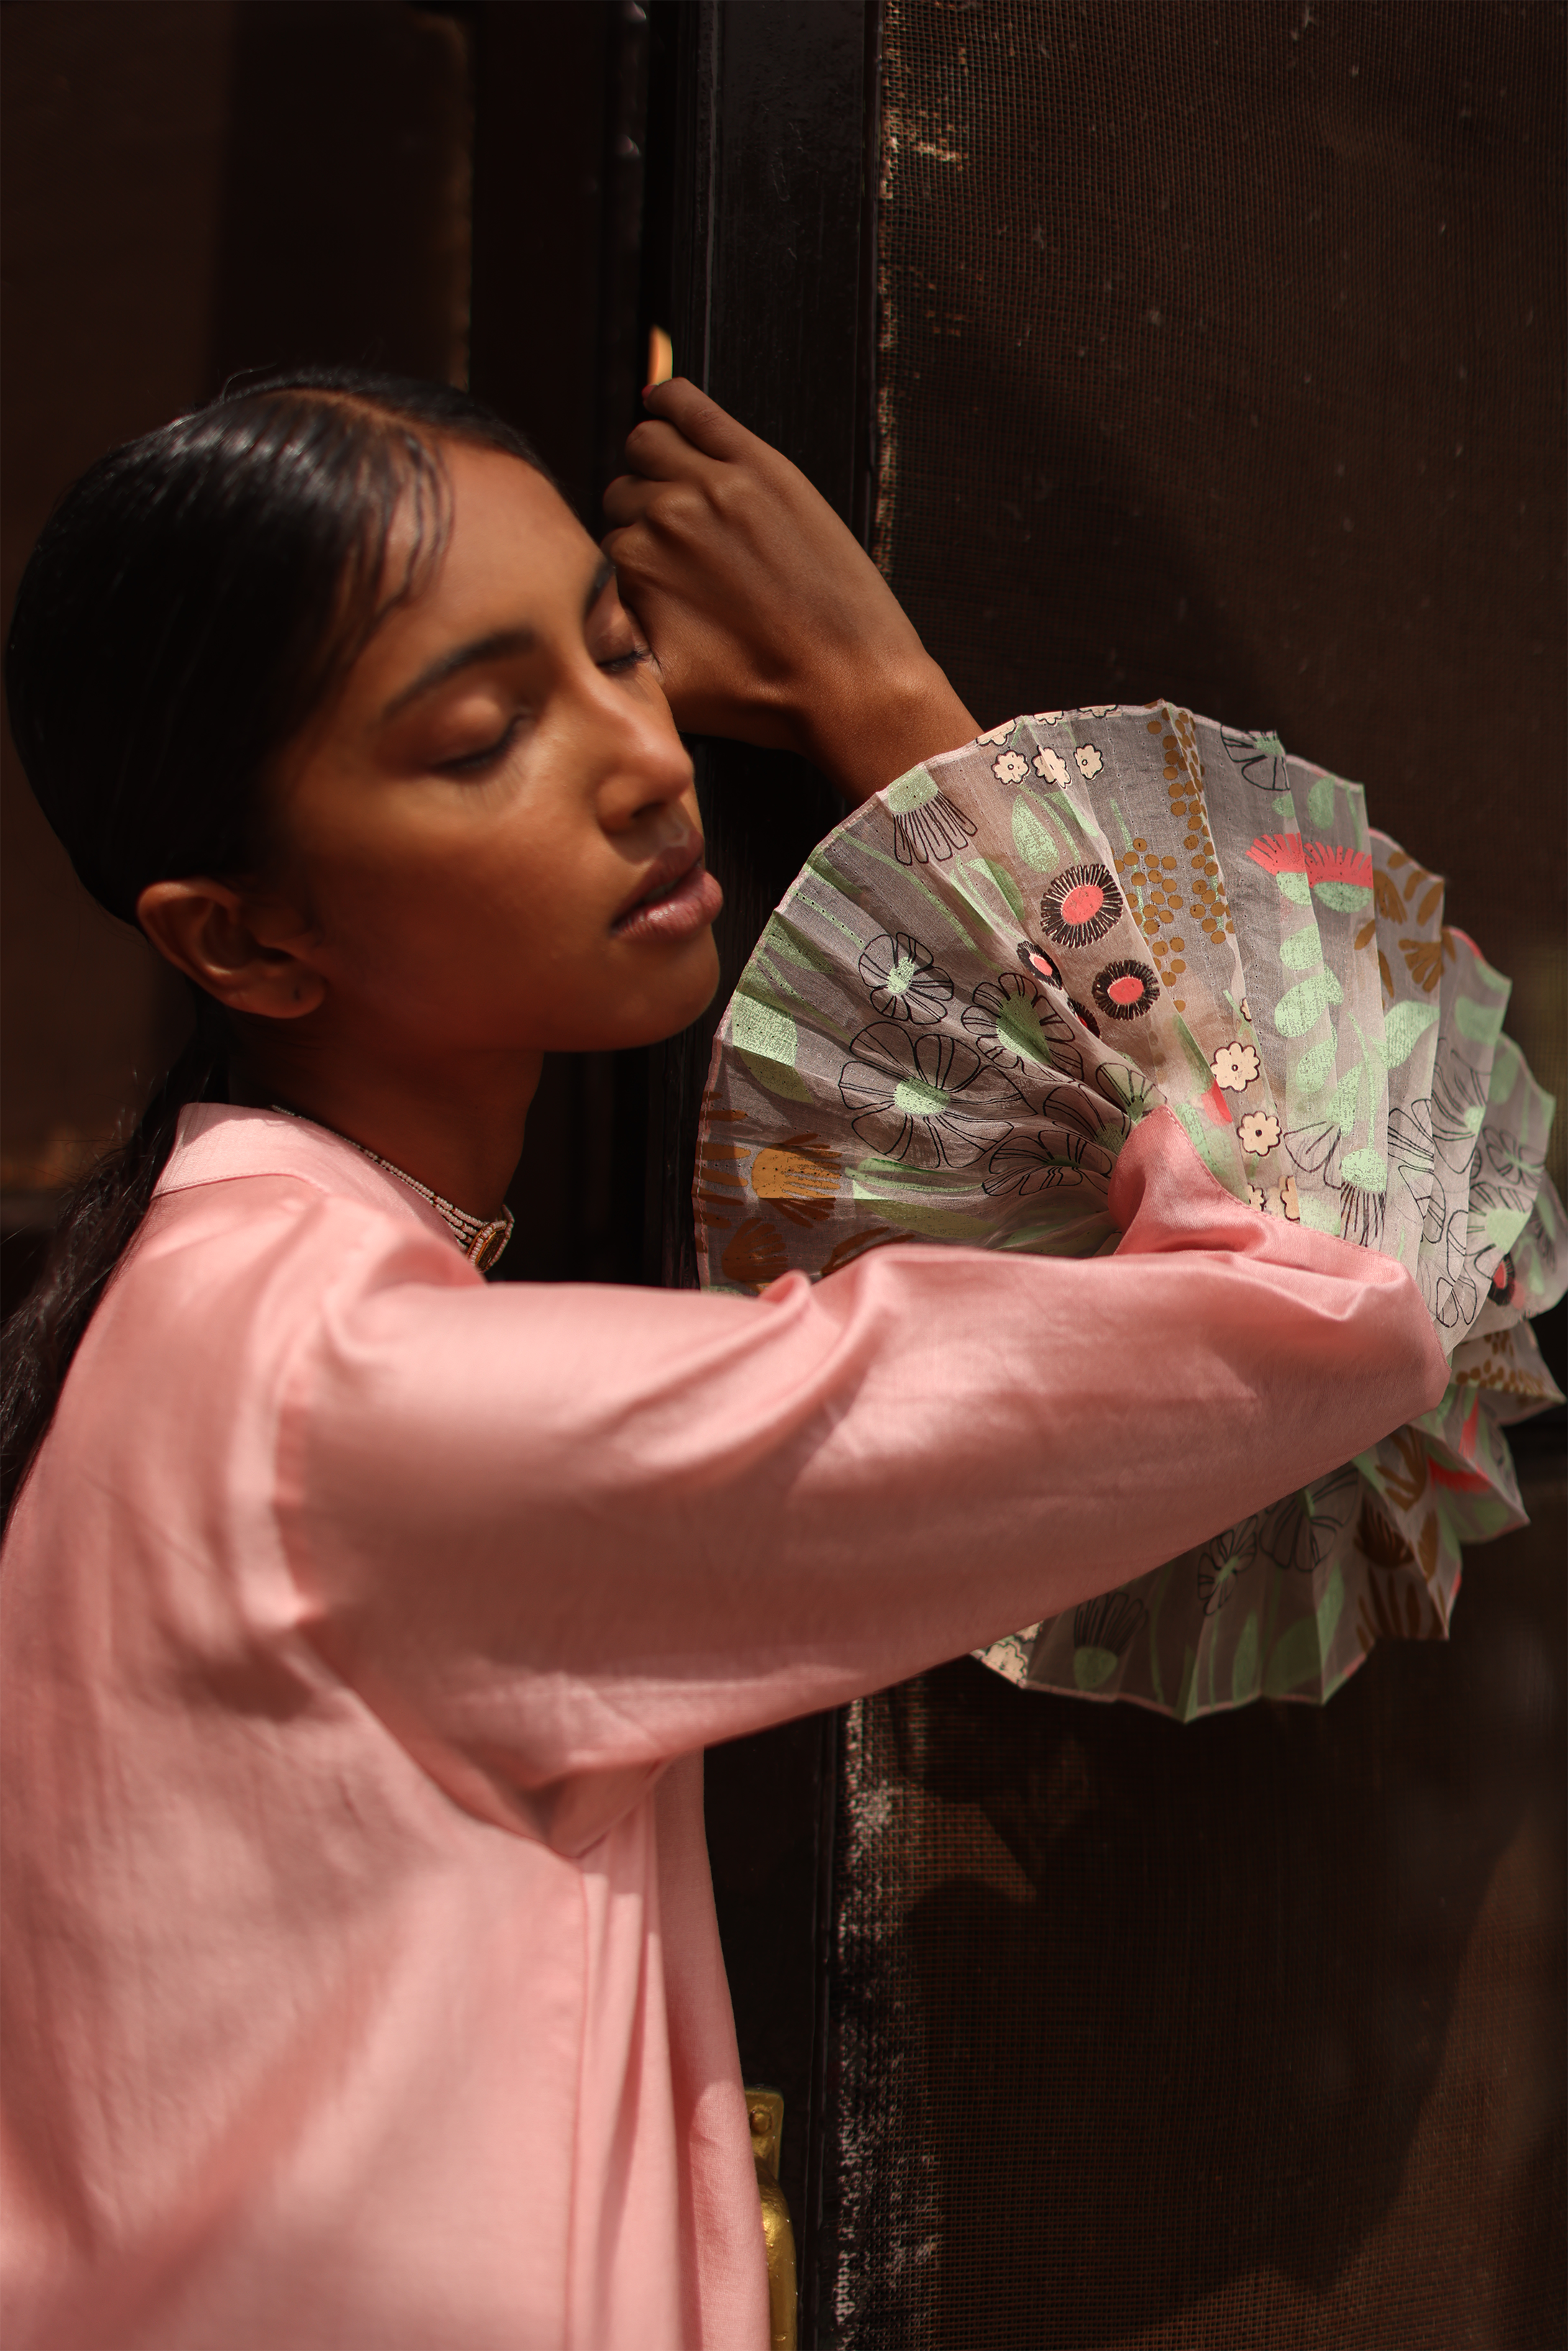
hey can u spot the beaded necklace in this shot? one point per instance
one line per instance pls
(480, 1239)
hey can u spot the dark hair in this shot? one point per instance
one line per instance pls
(192, 600)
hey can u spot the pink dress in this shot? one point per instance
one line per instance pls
(362, 1626)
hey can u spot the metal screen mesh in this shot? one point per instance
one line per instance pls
(1223, 358)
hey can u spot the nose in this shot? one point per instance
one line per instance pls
(644, 765)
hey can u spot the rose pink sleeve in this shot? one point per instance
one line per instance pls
(557, 1536)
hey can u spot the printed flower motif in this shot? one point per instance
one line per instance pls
(926, 823)
(1081, 905)
(1285, 1201)
(1103, 1630)
(925, 1098)
(1050, 765)
(1361, 1212)
(1300, 1532)
(1132, 1093)
(1246, 1009)
(1222, 1562)
(1014, 1025)
(1326, 864)
(1046, 717)
(1125, 991)
(1259, 756)
(1257, 1198)
(1043, 967)
(1456, 1108)
(1503, 1287)
(1025, 1163)
(1099, 709)
(1315, 1149)
(1260, 1132)
(997, 734)
(1235, 1067)
(1081, 1012)
(1508, 1158)
(901, 980)
(1280, 853)
(1087, 759)
(1011, 769)
(1075, 1107)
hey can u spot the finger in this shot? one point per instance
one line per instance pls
(700, 420)
(628, 498)
(660, 454)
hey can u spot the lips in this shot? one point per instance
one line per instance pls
(678, 896)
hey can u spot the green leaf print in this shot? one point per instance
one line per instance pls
(1344, 897)
(1295, 889)
(1316, 1065)
(1003, 881)
(766, 1039)
(1301, 1007)
(1034, 844)
(1404, 1025)
(1319, 802)
(1091, 1668)
(1343, 1104)
(1244, 1665)
(1303, 951)
(1479, 1022)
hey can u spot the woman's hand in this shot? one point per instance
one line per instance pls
(769, 621)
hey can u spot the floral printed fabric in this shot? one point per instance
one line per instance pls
(987, 976)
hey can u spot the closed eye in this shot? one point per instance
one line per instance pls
(475, 763)
(619, 664)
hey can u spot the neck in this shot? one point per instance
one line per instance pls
(459, 1129)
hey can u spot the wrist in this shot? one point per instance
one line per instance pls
(883, 719)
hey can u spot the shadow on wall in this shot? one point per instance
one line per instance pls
(1217, 2003)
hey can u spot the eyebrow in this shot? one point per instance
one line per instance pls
(501, 644)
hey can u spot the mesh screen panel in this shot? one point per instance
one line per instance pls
(1222, 357)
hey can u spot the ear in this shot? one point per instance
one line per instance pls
(211, 931)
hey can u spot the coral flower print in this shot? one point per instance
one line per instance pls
(1260, 1132)
(925, 1098)
(1125, 991)
(1011, 769)
(1087, 759)
(1043, 967)
(901, 979)
(1050, 767)
(1081, 905)
(1235, 1067)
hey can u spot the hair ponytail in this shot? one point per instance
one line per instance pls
(98, 1217)
(191, 601)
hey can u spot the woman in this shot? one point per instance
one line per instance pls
(362, 1624)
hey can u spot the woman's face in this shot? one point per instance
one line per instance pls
(493, 829)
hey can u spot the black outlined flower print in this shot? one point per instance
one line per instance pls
(1016, 1025)
(1507, 1159)
(1259, 757)
(1081, 904)
(1085, 1113)
(1454, 1110)
(923, 1098)
(1031, 1160)
(1300, 1532)
(927, 824)
(1223, 1560)
(1103, 1630)
(1131, 1092)
(1315, 1149)
(1361, 1214)
(1125, 991)
(901, 980)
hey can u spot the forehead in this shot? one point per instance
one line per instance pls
(508, 533)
